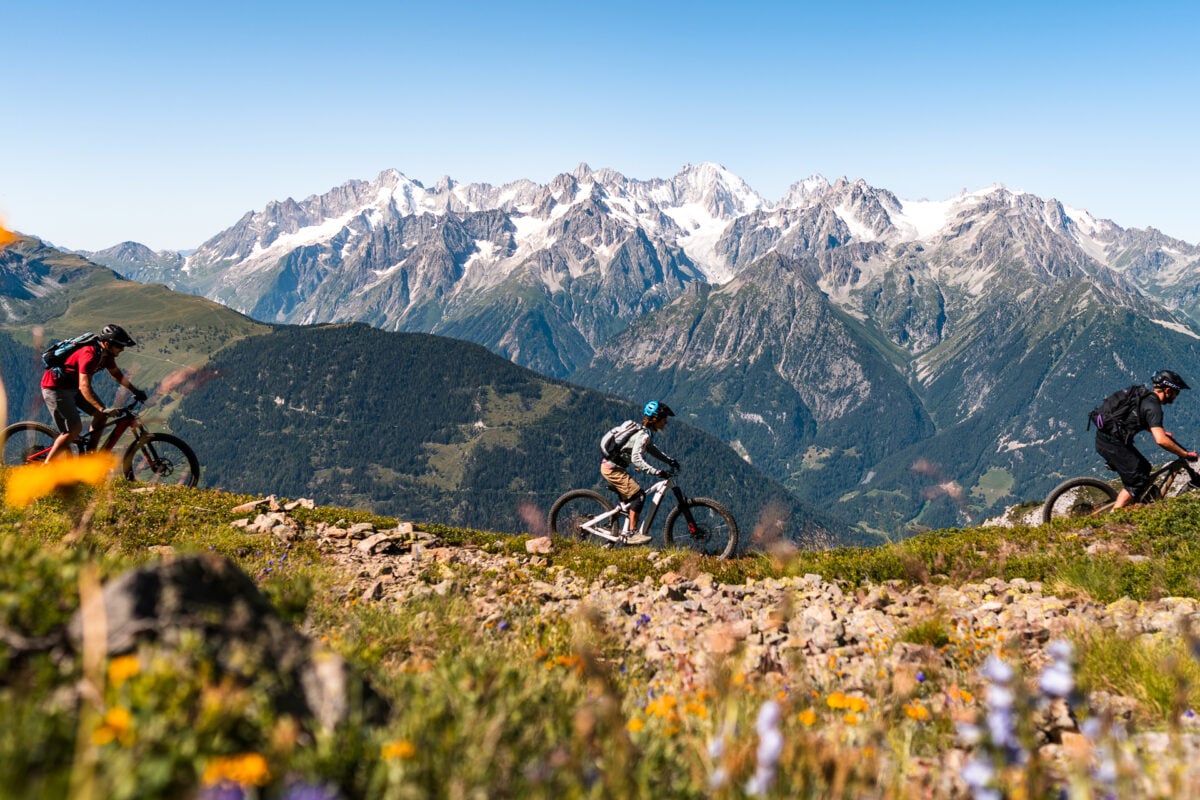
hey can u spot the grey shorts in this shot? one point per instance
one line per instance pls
(64, 406)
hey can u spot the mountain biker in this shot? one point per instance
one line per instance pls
(68, 389)
(615, 469)
(1117, 449)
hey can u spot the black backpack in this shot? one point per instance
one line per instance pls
(57, 353)
(612, 442)
(1118, 416)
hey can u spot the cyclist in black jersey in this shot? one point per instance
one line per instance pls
(1118, 451)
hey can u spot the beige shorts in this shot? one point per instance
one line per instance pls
(619, 479)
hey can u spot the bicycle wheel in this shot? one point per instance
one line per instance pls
(1078, 497)
(26, 443)
(716, 532)
(161, 458)
(573, 509)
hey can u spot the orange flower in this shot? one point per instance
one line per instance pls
(401, 749)
(916, 711)
(117, 725)
(122, 668)
(33, 481)
(7, 237)
(247, 769)
(808, 717)
(634, 725)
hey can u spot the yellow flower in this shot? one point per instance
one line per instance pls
(851, 719)
(696, 709)
(808, 717)
(401, 749)
(634, 725)
(32, 481)
(916, 711)
(839, 700)
(117, 725)
(122, 668)
(663, 706)
(247, 769)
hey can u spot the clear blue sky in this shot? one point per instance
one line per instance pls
(164, 122)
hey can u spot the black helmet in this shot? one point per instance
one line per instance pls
(117, 335)
(656, 410)
(1170, 379)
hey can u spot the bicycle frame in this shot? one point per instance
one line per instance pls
(601, 525)
(1163, 478)
(122, 422)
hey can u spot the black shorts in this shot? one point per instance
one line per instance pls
(64, 406)
(1126, 461)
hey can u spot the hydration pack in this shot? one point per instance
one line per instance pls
(57, 353)
(612, 442)
(1118, 416)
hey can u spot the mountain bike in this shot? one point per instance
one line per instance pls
(150, 458)
(698, 523)
(1082, 497)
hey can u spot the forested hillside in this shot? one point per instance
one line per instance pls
(429, 428)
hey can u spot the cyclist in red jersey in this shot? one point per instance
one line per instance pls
(68, 389)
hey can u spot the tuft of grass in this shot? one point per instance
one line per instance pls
(933, 632)
(1159, 672)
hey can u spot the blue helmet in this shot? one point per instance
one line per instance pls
(656, 410)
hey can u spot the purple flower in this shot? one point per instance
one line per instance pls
(310, 791)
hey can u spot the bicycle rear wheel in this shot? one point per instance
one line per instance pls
(573, 509)
(1078, 497)
(716, 531)
(26, 443)
(161, 458)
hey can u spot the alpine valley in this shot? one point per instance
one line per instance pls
(897, 363)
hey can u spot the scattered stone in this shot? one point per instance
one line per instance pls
(246, 508)
(542, 545)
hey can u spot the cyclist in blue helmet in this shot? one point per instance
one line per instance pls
(629, 448)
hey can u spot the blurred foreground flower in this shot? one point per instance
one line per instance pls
(33, 481)
(122, 668)
(401, 749)
(247, 769)
(7, 237)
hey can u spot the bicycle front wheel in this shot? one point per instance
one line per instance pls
(161, 458)
(573, 509)
(1078, 497)
(715, 533)
(26, 443)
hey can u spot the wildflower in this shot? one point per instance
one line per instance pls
(401, 749)
(247, 769)
(1057, 679)
(808, 717)
(634, 725)
(33, 481)
(916, 711)
(978, 775)
(117, 725)
(122, 668)
(770, 748)
(850, 718)
(310, 791)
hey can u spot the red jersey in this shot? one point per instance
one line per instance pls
(88, 360)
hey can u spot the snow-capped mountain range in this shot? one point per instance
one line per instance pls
(839, 313)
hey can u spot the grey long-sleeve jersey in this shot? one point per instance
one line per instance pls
(641, 442)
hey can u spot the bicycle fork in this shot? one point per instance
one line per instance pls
(684, 509)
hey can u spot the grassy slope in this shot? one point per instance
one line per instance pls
(555, 704)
